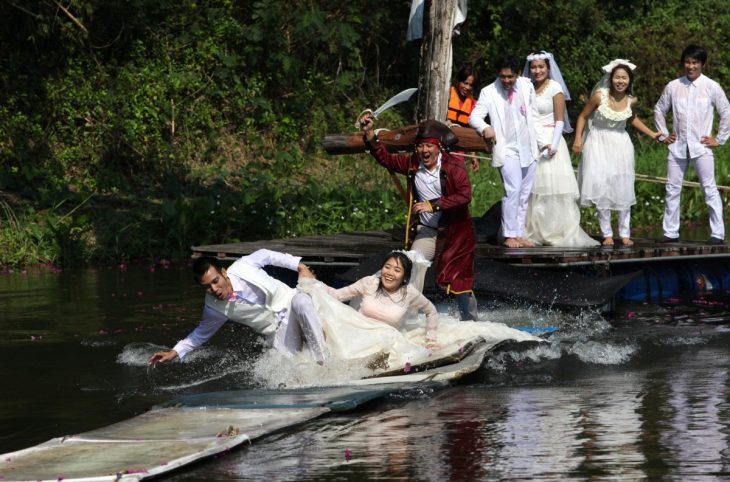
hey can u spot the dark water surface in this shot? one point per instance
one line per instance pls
(642, 393)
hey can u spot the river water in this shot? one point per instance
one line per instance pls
(640, 393)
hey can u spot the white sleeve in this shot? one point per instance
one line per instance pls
(210, 323)
(420, 303)
(480, 111)
(660, 111)
(557, 133)
(358, 288)
(266, 257)
(723, 109)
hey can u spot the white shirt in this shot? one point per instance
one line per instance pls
(692, 114)
(428, 186)
(517, 135)
(243, 292)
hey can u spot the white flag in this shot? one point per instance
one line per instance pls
(415, 19)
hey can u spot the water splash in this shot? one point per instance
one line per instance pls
(603, 353)
(275, 370)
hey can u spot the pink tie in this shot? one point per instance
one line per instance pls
(510, 94)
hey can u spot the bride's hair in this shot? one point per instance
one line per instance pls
(405, 263)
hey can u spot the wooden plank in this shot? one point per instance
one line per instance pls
(355, 246)
(400, 140)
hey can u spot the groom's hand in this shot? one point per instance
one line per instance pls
(490, 137)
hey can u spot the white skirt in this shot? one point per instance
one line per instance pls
(553, 216)
(606, 174)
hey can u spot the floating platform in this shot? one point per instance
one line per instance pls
(563, 277)
(195, 427)
(350, 249)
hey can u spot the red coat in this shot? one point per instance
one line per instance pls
(456, 241)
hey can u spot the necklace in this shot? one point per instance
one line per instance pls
(616, 104)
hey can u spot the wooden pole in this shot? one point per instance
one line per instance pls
(435, 68)
(664, 180)
(400, 140)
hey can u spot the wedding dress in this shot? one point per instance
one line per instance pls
(553, 216)
(607, 167)
(350, 335)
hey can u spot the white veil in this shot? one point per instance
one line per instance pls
(605, 82)
(555, 75)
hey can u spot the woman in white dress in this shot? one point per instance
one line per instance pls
(386, 326)
(389, 297)
(607, 165)
(553, 216)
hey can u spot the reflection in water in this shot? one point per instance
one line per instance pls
(696, 432)
(649, 399)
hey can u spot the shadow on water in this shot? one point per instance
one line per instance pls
(640, 393)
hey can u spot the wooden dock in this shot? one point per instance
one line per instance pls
(349, 249)
(572, 278)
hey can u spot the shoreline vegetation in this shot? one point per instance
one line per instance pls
(130, 131)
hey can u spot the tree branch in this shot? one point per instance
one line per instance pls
(70, 15)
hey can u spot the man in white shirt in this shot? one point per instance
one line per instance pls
(511, 105)
(692, 98)
(246, 294)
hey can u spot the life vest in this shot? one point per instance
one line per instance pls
(457, 113)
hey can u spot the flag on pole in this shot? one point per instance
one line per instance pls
(415, 19)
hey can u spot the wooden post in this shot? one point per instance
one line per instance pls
(435, 70)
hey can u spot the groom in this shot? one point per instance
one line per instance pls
(692, 99)
(246, 294)
(511, 106)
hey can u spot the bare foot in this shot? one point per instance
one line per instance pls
(512, 243)
(627, 242)
(607, 241)
(525, 243)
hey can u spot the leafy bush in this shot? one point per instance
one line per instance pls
(134, 129)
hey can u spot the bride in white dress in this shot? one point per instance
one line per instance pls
(387, 324)
(607, 165)
(553, 216)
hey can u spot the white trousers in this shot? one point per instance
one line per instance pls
(425, 241)
(624, 223)
(705, 169)
(302, 326)
(517, 182)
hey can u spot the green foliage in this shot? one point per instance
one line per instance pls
(136, 128)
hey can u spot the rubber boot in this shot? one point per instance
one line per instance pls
(467, 304)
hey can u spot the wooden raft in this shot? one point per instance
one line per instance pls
(349, 249)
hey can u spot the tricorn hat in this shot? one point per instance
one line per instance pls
(433, 129)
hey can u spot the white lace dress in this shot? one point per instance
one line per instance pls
(606, 173)
(352, 336)
(553, 216)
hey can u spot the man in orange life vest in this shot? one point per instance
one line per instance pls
(439, 193)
